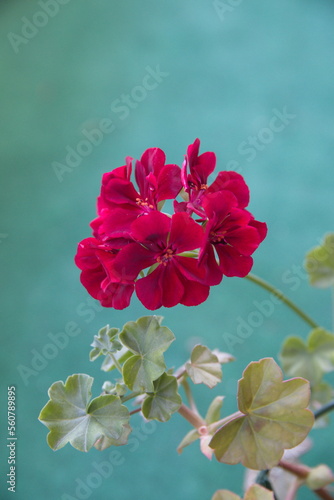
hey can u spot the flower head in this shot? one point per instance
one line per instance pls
(165, 259)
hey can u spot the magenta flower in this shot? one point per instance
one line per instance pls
(120, 203)
(168, 260)
(231, 233)
(96, 263)
(195, 183)
(160, 242)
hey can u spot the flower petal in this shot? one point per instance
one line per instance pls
(244, 239)
(194, 293)
(234, 182)
(185, 233)
(169, 182)
(132, 259)
(232, 263)
(152, 230)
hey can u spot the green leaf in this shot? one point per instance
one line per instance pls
(188, 439)
(164, 400)
(204, 367)
(255, 492)
(72, 417)
(319, 263)
(311, 360)
(273, 417)
(213, 413)
(105, 342)
(147, 340)
(225, 495)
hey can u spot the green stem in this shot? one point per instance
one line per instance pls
(270, 288)
(130, 396)
(116, 363)
(189, 395)
(324, 409)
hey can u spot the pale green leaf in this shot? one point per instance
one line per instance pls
(147, 340)
(72, 417)
(225, 495)
(273, 417)
(213, 413)
(319, 263)
(104, 343)
(188, 439)
(164, 401)
(204, 367)
(255, 492)
(310, 360)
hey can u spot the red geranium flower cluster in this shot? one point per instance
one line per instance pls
(210, 234)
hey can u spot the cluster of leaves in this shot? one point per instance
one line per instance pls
(137, 352)
(272, 414)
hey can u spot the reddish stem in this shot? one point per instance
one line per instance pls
(302, 471)
(192, 417)
(135, 411)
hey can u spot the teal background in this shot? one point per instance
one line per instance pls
(226, 74)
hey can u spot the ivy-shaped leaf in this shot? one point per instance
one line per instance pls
(72, 417)
(204, 367)
(311, 360)
(164, 401)
(319, 263)
(273, 417)
(255, 492)
(104, 343)
(147, 340)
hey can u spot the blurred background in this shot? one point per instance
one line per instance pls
(154, 74)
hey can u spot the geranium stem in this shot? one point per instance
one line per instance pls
(302, 471)
(324, 409)
(196, 420)
(270, 288)
(189, 395)
(116, 363)
(135, 411)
